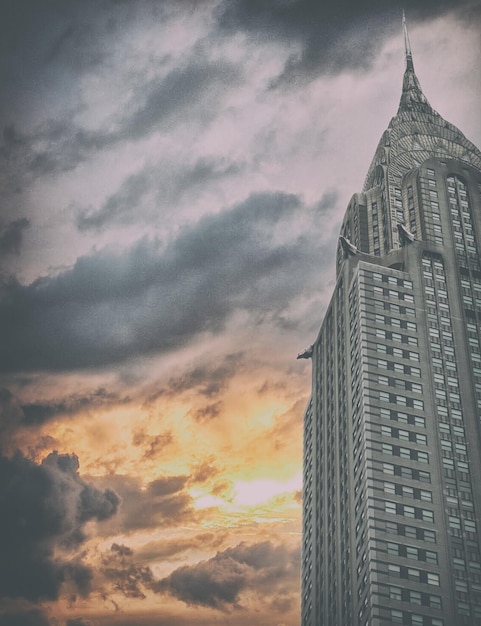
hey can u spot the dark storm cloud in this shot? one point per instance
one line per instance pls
(162, 503)
(12, 235)
(206, 379)
(220, 581)
(169, 184)
(34, 617)
(128, 578)
(79, 621)
(332, 37)
(40, 412)
(181, 90)
(115, 305)
(15, 415)
(45, 507)
(59, 145)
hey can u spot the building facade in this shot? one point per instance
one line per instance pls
(392, 432)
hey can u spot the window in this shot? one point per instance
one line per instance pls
(470, 525)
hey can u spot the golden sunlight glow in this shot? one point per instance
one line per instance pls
(254, 492)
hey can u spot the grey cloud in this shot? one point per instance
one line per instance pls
(219, 582)
(59, 145)
(168, 548)
(79, 621)
(128, 578)
(208, 412)
(54, 146)
(120, 206)
(332, 36)
(169, 183)
(43, 507)
(40, 412)
(153, 445)
(10, 412)
(206, 378)
(12, 235)
(15, 415)
(162, 503)
(188, 88)
(33, 617)
(114, 305)
(167, 485)
(204, 472)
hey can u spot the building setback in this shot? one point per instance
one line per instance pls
(392, 433)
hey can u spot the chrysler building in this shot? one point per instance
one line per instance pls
(392, 432)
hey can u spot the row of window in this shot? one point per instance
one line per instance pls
(390, 280)
(404, 453)
(406, 510)
(411, 552)
(394, 308)
(399, 383)
(404, 435)
(391, 293)
(393, 398)
(394, 336)
(407, 491)
(387, 320)
(406, 472)
(412, 573)
(413, 619)
(414, 597)
(411, 532)
(400, 368)
(401, 416)
(397, 352)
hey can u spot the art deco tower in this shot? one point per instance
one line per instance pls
(392, 433)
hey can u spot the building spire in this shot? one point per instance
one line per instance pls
(412, 98)
(407, 46)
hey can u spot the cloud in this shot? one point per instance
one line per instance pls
(128, 578)
(33, 617)
(114, 305)
(17, 415)
(263, 568)
(331, 37)
(153, 445)
(169, 182)
(270, 571)
(35, 413)
(163, 549)
(163, 502)
(78, 621)
(191, 87)
(44, 508)
(204, 471)
(192, 90)
(208, 412)
(11, 236)
(206, 379)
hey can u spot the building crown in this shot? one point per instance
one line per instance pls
(412, 97)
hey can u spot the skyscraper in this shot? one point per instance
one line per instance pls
(392, 433)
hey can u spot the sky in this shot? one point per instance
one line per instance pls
(173, 177)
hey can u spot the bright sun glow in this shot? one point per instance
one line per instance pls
(254, 492)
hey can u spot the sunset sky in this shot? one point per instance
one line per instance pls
(173, 177)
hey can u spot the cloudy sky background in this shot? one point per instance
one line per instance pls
(173, 176)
